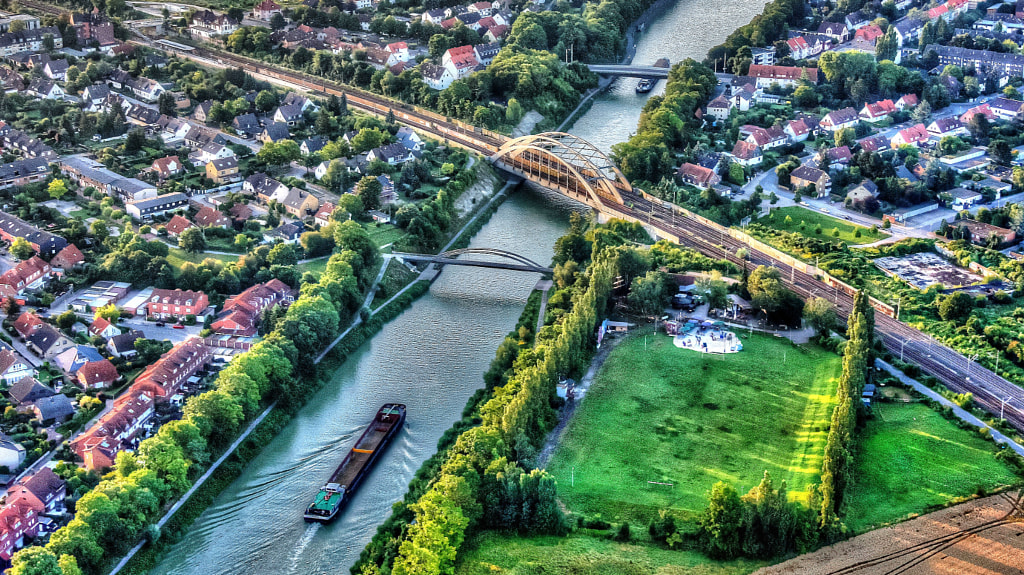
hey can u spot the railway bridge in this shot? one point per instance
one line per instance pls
(507, 260)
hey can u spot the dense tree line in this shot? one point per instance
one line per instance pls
(766, 28)
(122, 508)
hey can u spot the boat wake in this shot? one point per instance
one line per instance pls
(304, 542)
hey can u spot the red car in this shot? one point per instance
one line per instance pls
(178, 326)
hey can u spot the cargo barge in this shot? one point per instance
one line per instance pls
(341, 486)
(645, 85)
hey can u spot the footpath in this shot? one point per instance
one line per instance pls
(957, 410)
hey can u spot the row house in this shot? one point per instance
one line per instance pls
(20, 142)
(29, 274)
(785, 76)
(147, 209)
(19, 518)
(767, 139)
(983, 61)
(166, 303)
(1006, 109)
(87, 172)
(44, 243)
(116, 430)
(241, 313)
(30, 40)
(23, 172)
(877, 111)
(164, 378)
(840, 119)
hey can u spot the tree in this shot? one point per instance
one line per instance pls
(279, 153)
(922, 112)
(368, 190)
(714, 290)
(720, 524)
(21, 249)
(1000, 152)
(192, 240)
(844, 137)
(277, 21)
(165, 103)
(34, 560)
(647, 294)
(266, 101)
(57, 189)
(99, 230)
(135, 141)
(216, 414)
(955, 307)
(108, 312)
(820, 315)
(805, 97)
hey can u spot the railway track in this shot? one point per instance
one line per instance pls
(41, 7)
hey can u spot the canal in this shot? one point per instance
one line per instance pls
(686, 29)
(432, 358)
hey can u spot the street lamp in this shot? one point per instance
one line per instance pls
(1003, 405)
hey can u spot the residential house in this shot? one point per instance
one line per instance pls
(746, 154)
(30, 40)
(209, 217)
(165, 303)
(300, 203)
(13, 368)
(322, 217)
(870, 34)
(116, 430)
(312, 145)
(46, 341)
(400, 50)
(1006, 109)
(56, 69)
(982, 109)
(409, 139)
(437, 77)
(223, 170)
(246, 125)
(207, 24)
(202, 111)
(167, 167)
(762, 56)
(965, 199)
(274, 132)
(11, 453)
(266, 9)
(45, 89)
(391, 154)
(719, 108)
(906, 102)
(290, 115)
(698, 176)
(877, 111)
(981, 233)
(158, 206)
(855, 21)
(44, 243)
(485, 53)
(907, 31)
(19, 518)
(240, 213)
(209, 153)
(97, 375)
(242, 312)
(950, 126)
(835, 30)
(838, 158)
(68, 258)
(73, 358)
(912, 136)
(263, 187)
(296, 99)
(288, 233)
(101, 327)
(805, 176)
(797, 130)
(27, 391)
(840, 119)
(146, 89)
(176, 225)
(123, 345)
(460, 61)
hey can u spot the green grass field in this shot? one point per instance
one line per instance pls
(579, 553)
(177, 256)
(669, 415)
(812, 219)
(910, 458)
(317, 266)
(383, 234)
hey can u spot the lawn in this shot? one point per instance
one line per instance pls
(316, 266)
(910, 458)
(657, 413)
(383, 234)
(812, 219)
(176, 257)
(579, 553)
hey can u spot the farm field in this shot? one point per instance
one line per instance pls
(581, 553)
(659, 415)
(812, 219)
(909, 458)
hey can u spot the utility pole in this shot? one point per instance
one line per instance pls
(901, 349)
(1003, 405)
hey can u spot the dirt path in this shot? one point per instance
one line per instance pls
(580, 392)
(972, 538)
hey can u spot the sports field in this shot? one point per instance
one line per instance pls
(909, 458)
(811, 220)
(661, 425)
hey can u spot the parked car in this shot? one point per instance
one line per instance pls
(178, 326)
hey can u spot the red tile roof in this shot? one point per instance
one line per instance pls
(97, 374)
(68, 257)
(177, 225)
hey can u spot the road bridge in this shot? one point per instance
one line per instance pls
(511, 261)
(630, 70)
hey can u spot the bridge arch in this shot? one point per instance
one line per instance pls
(512, 261)
(565, 163)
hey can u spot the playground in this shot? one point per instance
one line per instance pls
(703, 336)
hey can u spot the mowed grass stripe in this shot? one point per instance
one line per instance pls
(668, 415)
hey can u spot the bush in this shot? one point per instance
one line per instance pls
(623, 533)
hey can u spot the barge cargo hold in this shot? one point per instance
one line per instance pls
(346, 478)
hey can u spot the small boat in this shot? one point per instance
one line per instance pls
(645, 85)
